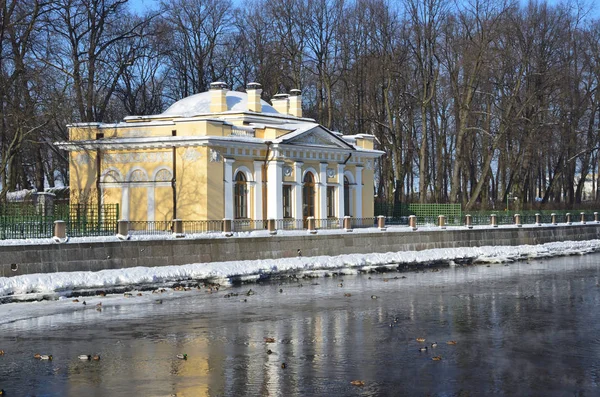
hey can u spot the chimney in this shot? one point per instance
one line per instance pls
(295, 103)
(218, 102)
(281, 103)
(253, 90)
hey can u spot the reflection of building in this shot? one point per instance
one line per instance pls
(223, 154)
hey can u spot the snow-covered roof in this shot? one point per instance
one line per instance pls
(200, 104)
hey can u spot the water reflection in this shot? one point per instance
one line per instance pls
(523, 329)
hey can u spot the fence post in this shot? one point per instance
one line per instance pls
(123, 229)
(381, 223)
(596, 217)
(412, 222)
(271, 226)
(553, 216)
(178, 228)
(227, 227)
(583, 218)
(60, 230)
(568, 218)
(538, 220)
(518, 220)
(493, 220)
(468, 221)
(311, 224)
(348, 223)
(442, 221)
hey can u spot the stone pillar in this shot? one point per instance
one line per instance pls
(381, 223)
(323, 190)
(583, 218)
(340, 192)
(178, 228)
(298, 191)
(275, 190)
(568, 216)
(442, 221)
(412, 222)
(493, 220)
(271, 226)
(258, 191)
(468, 222)
(228, 187)
(227, 227)
(311, 224)
(45, 203)
(348, 223)
(596, 217)
(60, 230)
(518, 220)
(358, 193)
(553, 216)
(537, 220)
(122, 228)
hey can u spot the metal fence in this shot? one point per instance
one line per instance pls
(24, 220)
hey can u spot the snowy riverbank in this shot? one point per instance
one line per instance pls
(35, 286)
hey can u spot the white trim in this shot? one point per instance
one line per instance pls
(159, 169)
(297, 204)
(109, 169)
(125, 202)
(275, 190)
(340, 191)
(315, 174)
(228, 187)
(258, 190)
(151, 205)
(134, 169)
(246, 171)
(358, 193)
(350, 177)
(323, 190)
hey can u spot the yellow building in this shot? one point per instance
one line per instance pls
(223, 154)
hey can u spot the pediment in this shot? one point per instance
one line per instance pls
(317, 136)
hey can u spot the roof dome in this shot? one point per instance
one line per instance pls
(200, 104)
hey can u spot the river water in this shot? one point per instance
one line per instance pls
(529, 328)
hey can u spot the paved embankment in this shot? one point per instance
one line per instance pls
(108, 253)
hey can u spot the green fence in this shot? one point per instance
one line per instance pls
(24, 220)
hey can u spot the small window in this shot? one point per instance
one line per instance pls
(330, 201)
(287, 201)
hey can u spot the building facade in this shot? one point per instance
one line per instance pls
(223, 154)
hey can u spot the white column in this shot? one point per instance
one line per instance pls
(358, 193)
(228, 187)
(298, 190)
(340, 199)
(151, 203)
(124, 202)
(323, 190)
(275, 190)
(258, 191)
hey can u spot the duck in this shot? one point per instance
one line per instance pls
(423, 349)
(269, 340)
(357, 383)
(347, 295)
(37, 355)
(2, 393)
(437, 358)
(269, 351)
(420, 340)
(96, 357)
(85, 357)
(75, 300)
(373, 296)
(1, 352)
(451, 342)
(182, 356)
(283, 365)
(341, 284)
(434, 344)
(46, 357)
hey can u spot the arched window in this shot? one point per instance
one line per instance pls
(308, 195)
(347, 197)
(240, 196)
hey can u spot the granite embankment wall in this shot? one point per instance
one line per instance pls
(120, 254)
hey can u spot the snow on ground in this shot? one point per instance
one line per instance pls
(67, 283)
